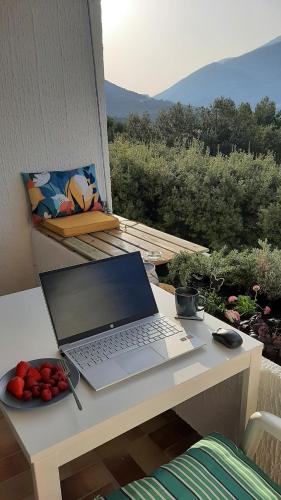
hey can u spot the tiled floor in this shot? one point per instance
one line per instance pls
(116, 463)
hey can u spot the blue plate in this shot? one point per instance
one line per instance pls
(9, 400)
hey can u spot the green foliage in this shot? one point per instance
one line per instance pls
(245, 305)
(221, 127)
(164, 173)
(177, 126)
(140, 128)
(215, 201)
(141, 178)
(265, 111)
(214, 304)
(236, 268)
(269, 220)
(261, 265)
(268, 270)
(186, 267)
(114, 128)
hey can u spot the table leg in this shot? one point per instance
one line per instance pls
(250, 387)
(46, 480)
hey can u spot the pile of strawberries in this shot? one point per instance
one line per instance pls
(45, 382)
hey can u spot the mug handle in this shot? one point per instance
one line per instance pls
(201, 308)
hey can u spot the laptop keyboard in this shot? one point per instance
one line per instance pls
(97, 351)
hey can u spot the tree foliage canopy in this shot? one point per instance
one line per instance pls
(222, 127)
(217, 200)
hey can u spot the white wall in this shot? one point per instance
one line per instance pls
(50, 115)
(49, 254)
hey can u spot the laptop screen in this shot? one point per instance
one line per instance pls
(93, 297)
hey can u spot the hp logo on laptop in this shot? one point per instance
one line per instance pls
(111, 325)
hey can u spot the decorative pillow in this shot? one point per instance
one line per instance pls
(60, 193)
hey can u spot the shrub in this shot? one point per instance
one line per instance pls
(214, 304)
(243, 269)
(141, 178)
(268, 270)
(214, 201)
(232, 268)
(237, 268)
(186, 267)
(245, 305)
(269, 220)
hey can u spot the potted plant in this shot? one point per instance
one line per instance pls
(249, 317)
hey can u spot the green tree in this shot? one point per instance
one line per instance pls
(223, 113)
(140, 128)
(265, 111)
(221, 127)
(244, 128)
(114, 128)
(176, 126)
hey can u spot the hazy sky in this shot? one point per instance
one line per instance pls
(151, 44)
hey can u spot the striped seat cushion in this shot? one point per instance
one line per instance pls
(212, 469)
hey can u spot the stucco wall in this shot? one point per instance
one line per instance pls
(50, 116)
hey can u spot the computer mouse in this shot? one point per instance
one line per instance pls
(229, 338)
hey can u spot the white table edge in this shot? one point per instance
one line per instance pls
(112, 427)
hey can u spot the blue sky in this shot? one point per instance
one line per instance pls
(151, 44)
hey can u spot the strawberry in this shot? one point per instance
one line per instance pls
(45, 386)
(46, 365)
(34, 373)
(62, 385)
(27, 395)
(61, 377)
(30, 382)
(15, 387)
(45, 374)
(36, 391)
(46, 395)
(51, 381)
(22, 369)
(55, 391)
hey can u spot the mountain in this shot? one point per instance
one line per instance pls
(121, 102)
(248, 77)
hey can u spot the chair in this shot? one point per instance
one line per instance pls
(212, 469)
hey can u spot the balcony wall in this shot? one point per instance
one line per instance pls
(52, 113)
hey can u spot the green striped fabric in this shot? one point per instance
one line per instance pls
(212, 469)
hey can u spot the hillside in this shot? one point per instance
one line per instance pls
(248, 77)
(121, 102)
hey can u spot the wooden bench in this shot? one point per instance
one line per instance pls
(130, 237)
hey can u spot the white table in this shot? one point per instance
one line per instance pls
(52, 436)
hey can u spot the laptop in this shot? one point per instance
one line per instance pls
(106, 320)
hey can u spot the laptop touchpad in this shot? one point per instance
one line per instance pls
(139, 360)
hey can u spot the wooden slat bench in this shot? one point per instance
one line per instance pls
(130, 237)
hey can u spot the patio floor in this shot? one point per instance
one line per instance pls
(128, 457)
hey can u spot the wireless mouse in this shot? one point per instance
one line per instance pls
(229, 338)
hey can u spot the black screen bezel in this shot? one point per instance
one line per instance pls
(108, 326)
